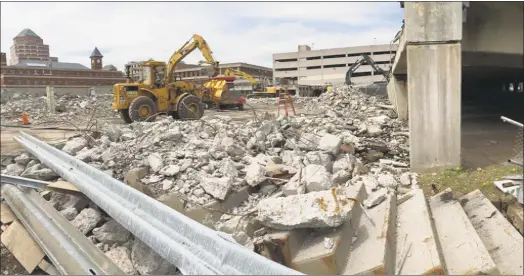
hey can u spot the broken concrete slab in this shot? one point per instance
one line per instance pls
(330, 143)
(255, 174)
(217, 187)
(316, 256)
(281, 246)
(416, 245)
(316, 209)
(373, 251)
(500, 238)
(75, 145)
(317, 178)
(461, 247)
(375, 198)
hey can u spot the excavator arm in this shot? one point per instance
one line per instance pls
(195, 42)
(233, 72)
(364, 59)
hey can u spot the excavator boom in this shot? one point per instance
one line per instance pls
(195, 42)
(233, 72)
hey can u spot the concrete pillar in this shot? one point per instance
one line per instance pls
(50, 99)
(433, 34)
(398, 95)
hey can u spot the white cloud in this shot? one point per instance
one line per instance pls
(236, 32)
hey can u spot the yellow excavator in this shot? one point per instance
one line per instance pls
(259, 89)
(158, 90)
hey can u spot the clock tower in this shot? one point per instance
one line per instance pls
(96, 59)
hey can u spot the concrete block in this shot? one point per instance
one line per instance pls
(515, 214)
(501, 239)
(323, 209)
(461, 247)
(434, 96)
(433, 21)
(416, 246)
(373, 252)
(318, 256)
(281, 246)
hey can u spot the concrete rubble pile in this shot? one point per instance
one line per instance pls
(302, 172)
(68, 108)
(274, 100)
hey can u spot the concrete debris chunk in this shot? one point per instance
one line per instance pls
(217, 187)
(170, 170)
(112, 232)
(405, 179)
(330, 143)
(255, 174)
(14, 169)
(148, 262)
(317, 178)
(375, 198)
(155, 162)
(23, 159)
(86, 220)
(69, 213)
(387, 180)
(75, 145)
(121, 256)
(316, 209)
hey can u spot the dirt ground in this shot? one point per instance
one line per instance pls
(8, 264)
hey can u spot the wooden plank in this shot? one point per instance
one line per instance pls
(49, 268)
(6, 215)
(63, 187)
(22, 245)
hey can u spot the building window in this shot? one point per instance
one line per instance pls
(335, 66)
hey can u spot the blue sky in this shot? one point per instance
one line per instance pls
(236, 31)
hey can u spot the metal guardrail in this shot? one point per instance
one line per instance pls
(192, 247)
(67, 248)
(22, 181)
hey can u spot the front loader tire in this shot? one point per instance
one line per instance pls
(142, 109)
(124, 114)
(190, 108)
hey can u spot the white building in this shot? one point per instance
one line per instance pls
(329, 66)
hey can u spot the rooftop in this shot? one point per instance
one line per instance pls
(96, 53)
(27, 32)
(53, 64)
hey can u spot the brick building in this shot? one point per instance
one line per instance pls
(32, 66)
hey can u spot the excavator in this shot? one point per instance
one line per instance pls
(257, 86)
(364, 59)
(158, 90)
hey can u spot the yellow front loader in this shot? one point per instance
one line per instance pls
(157, 91)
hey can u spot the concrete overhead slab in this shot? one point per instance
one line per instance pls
(373, 252)
(416, 247)
(461, 247)
(501, 239)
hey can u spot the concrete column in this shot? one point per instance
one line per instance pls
(398, 95)
(433, 34)
(50, 99)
